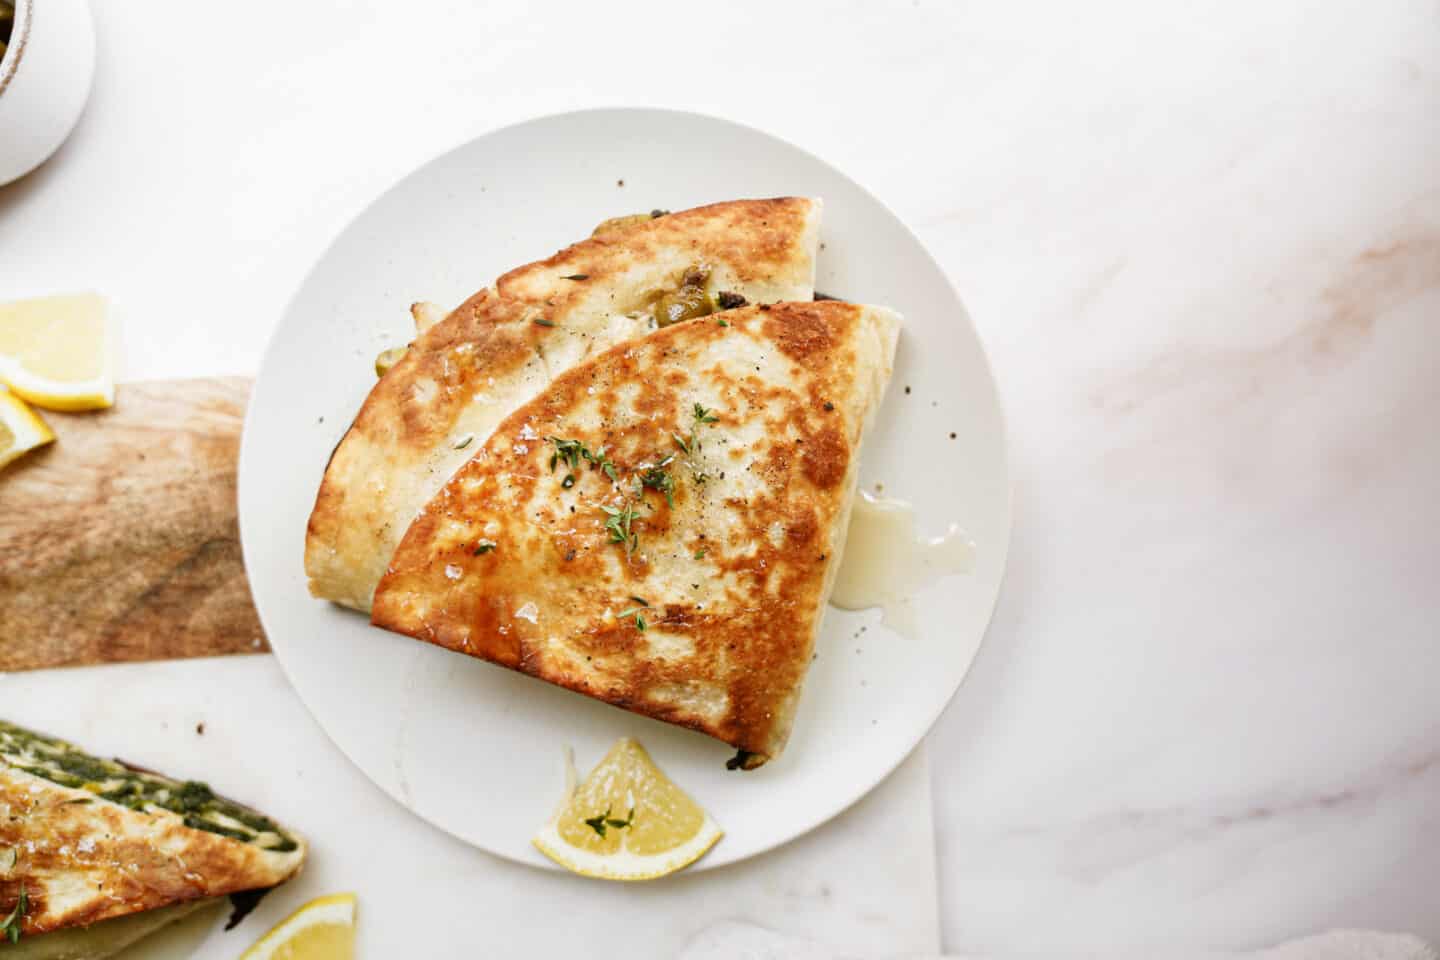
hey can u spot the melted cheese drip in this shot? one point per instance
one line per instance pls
(886, 562)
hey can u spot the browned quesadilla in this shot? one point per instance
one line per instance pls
(659, 527)
(496, 351)
(95, 853)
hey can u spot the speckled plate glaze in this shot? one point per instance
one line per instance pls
(476, 749)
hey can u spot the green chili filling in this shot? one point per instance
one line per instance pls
(63, 764)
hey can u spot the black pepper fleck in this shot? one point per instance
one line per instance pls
(907, 389)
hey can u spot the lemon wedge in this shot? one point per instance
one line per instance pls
(627, 821)
(20, 429)
(55, 351)
(323, 929)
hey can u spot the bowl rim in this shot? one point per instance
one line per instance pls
(15, 52)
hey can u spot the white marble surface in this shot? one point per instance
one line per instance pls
(1202, 244)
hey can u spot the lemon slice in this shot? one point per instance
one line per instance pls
(20, 429)
(55, 351)
(323, 929)
(627, 821)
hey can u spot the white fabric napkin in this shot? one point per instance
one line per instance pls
(743, 941)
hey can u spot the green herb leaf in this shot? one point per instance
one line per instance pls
(641, 601)
(597, 823)
(483, 546)
(569, 481)
(577, 276)
(620, 824)
(682, 443)
(723, 323)
(640, 622)
(700, 554)
(464, 441)
(542, 322)
(657, 479)
(11, 924)
(705, 416)
(571, 451)
(618, 525)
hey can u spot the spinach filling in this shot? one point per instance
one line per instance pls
(63, 764)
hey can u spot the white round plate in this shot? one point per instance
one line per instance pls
(476, 749)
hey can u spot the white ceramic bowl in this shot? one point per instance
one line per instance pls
(44, 81)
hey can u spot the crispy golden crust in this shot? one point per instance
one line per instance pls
(83, 859)
(499, 348)
(766, 246)
(733, 575)
(410, 435)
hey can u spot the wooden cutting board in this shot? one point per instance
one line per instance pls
(119, 541)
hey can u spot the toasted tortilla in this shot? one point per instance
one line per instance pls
(90, 840)
(660, 527)
(461, 377)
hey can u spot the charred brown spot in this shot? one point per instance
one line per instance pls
(805, 333)
(801, 529)
(826, 458)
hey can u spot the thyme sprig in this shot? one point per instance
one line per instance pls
(600, 822)
(638, 612)
(657, 478)
(619, 522)
(574, 452)
(10, 926)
